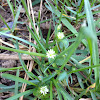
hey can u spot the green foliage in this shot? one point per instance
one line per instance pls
(66, 59)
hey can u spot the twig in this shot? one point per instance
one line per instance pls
(30, 9)
(16, 57)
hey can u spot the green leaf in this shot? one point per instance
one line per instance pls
(49, 77)
(64, 20)
(37, 40)
(9, 69)
(80, 82)
(14, 78)
(48, 36)
(11, 7)
(63, 44)
(59, 61)
(82, 69)
(6, 90)
(16, 82)
(35, 2)
(22, 51)
(62, 76)
(5, 22)
(94, 47)
(70, 50)
(4, 87)
(87, 31)
(65, 94)
(79, 57)
(55, 48)
(21, 94)
(51, 94)
(16, 18)
(58, 90)
(93, 96)
(80, 95)
(22, 62)
(27, 42)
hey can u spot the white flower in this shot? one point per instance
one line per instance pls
(60, 35)
(84, 23)
(51, 53)
(44, 90)
(59, 27)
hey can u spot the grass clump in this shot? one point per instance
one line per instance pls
(60, 58)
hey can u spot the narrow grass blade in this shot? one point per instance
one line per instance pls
(37, 40)
(80, 7)
(49, 77)
(82, 69)
(10, 69)
(28, 92)
(27, 42)
(16, 82)
(11, 7)
(65, 93)
(91, 26)
(80, 95)
(58, 89)
(51, 94)
(64, 20)
(80, 82)
(10, 90)
(15, 78)
(69, 26)
(9, 87)
(16, 18)
(67, 2)
(48, 36)
(93, 96)
(5, 22)
(22, 51)
(22, 62)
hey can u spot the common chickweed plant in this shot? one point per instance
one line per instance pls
(60, 58)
